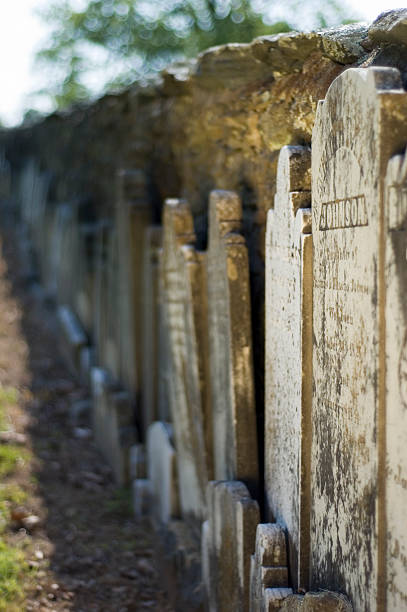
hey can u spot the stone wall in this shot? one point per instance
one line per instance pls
(227, 256)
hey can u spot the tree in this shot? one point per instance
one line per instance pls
(105, 44)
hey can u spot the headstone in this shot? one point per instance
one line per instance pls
(322, 601)
(396, 380)
(230, 343)
(164, 369)
(186, 319)
(133, 216)
(85, 285)
(73, 337)
(112, 417)
(361, 123)
(102, 309)
(269, 568)
(228, 541)
(162, 472)
(289, 357)
(151, 323)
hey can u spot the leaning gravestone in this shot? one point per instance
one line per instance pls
(289, 356)
(228, 541)
(186, 317)
(230, 343)
(396, 380)
(162, 472)
(361, 123)
(133, 215)
(151, 321)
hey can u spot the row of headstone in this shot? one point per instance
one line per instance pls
(93, 269)
(335, 343)
(335, 372)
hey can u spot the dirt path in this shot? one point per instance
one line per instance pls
(84, 550)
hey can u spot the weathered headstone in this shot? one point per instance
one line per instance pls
(361, 123)
(228, 541)
(289, 357)
(186, 319)
(268, 568)
(396, 380)
(162, 472)
(73, 337)
(151, 322)
(112, 417)
(230, 343)
(133, 215)
(102, 308)
(164, 370)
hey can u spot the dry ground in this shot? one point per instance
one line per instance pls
(85, 552)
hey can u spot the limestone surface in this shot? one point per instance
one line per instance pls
(230, 343)
(289, 357)
(361, 123)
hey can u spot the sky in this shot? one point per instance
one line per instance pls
(22, 33)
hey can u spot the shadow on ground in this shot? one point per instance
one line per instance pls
(87, 552)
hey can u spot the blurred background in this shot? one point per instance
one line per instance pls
(54, 53)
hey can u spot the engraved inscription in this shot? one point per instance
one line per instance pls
(342, 213)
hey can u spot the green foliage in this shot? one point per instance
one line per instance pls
(10, 495)
(12, 567)
(115, 42)
(10, 456)
(135, 38)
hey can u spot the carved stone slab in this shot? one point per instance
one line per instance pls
(133, 215)
(151, 322)
(112, 418)
(396, 380)
(268, 569)
(228, 541)
(186, 319)
(289, 357)
(230, 342)
(361, 123)
(162, 472)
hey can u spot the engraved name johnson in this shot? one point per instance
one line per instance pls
(345, 212)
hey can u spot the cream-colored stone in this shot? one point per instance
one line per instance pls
(112, 419)
(396, 380)
(268, 568)
(186, 319)
(133, 216)
(151, 323)
(162, 472)
(230, 343)
(361, 123)
(324, 601)
(228, 541)
(289, 357)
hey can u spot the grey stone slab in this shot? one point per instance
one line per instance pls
(288, 373)
(162, 472)
(269, 566)
(185, 299)
(230, 343)
(151, 325)
(396, 380)
(361, 123)
(228, 541)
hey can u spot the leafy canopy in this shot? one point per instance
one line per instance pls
(98, 45)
